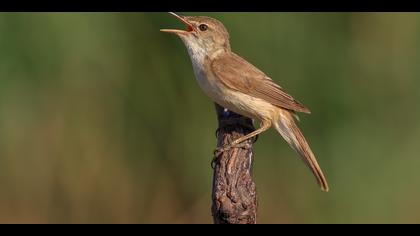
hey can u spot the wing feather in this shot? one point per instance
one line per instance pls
(238, 74)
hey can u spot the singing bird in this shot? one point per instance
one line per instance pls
(237, 85)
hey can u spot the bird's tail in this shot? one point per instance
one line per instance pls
(288, 129)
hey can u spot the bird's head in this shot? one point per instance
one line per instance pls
(204, 32)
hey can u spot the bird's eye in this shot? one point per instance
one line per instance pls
(203, 27)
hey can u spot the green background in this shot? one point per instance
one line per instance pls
(102, 121)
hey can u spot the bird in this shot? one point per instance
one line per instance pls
(237, 85)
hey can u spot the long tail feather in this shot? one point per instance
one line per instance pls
(288, 129)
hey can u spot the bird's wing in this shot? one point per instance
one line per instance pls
(238, 74)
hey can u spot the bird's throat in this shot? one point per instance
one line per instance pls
(197, 54)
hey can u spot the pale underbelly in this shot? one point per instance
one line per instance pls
(247, 106)
(238, 102)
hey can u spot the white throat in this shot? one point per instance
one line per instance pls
(197, 55)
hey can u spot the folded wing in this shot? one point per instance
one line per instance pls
(239, 75)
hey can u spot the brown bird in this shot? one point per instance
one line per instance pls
(237, 85)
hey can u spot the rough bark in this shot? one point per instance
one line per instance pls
(234, 193)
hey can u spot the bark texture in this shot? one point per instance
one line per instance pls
(234, 193)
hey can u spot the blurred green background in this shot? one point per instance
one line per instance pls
(101, 120)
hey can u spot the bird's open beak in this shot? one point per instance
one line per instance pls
(190, 27)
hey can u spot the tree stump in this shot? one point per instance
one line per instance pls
(234, 193)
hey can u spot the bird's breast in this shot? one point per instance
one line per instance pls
(233, 100)
(207, 82)
(203, 75)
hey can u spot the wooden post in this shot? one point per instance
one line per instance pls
(234, 193)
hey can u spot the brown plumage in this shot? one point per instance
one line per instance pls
(237, 85)
(252, 82)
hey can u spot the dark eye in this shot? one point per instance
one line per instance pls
(203, 27)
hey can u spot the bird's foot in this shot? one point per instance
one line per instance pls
(219, 150)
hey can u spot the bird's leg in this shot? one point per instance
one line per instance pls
(238, 143)
(265, 125)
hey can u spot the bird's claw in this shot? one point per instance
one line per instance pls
(255, 138)
(219, 150)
